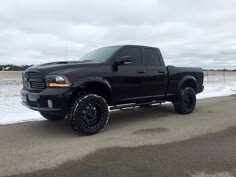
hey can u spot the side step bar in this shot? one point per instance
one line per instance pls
(133, 105)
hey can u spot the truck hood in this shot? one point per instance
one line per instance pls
(61, 67)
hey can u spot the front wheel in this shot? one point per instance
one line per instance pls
(185, 101)
(89, 114)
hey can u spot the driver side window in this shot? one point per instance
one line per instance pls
(134, 52)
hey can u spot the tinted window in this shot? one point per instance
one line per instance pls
(151, 58)
(100, 55)
(134, 52)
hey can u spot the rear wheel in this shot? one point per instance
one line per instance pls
(185, 101)
(89, 114)
(52, 117)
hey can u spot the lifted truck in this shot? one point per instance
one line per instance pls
(108, 78)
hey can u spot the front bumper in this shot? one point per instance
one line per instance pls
(201, 90)
(48, 100)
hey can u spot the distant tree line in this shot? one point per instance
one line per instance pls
(13, 67)
(219, 69)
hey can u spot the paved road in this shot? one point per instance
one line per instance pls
(144, 142)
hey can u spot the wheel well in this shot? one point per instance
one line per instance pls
(190, 83)
(95, 88)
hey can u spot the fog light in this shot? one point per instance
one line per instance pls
(50, 105)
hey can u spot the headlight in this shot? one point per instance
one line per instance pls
(57, 81)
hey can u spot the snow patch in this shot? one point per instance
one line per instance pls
(217, 89)
(12, 111)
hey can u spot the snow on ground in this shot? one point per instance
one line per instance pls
(216, 89)
(12, 111)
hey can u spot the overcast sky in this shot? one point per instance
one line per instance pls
(189, 33)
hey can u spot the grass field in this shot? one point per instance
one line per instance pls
(10, 83)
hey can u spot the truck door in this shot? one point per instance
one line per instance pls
(127, 82)
(156, 78)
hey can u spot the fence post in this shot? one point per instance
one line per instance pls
(207, 75)
(224, 74)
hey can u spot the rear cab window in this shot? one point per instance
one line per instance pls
(151, 57)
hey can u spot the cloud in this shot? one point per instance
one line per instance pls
(189, 33)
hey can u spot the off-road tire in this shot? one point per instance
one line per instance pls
(89, 114)
(185, 101)
(52, 117)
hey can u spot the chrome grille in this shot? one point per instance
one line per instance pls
(34, 81)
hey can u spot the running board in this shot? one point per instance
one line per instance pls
(133, 105)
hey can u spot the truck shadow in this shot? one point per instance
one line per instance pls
(52, 129)
(140, 114)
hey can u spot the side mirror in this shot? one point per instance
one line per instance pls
(125, 60)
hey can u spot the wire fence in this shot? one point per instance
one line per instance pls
(219, 76)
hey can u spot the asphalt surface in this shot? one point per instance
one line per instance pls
(144, 142)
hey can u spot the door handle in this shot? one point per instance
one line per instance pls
(140, 71)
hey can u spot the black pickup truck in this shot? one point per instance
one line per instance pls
(115, 77)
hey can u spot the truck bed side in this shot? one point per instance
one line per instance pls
(180, 76)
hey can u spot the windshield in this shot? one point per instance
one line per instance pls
(100, 55)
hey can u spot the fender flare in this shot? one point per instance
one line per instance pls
(81, 83)
(186, 79)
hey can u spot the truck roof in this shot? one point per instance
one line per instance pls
(132, 45)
